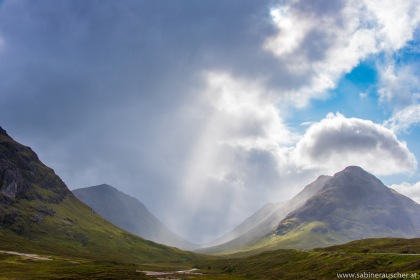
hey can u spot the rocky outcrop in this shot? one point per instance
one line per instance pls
(11, 181)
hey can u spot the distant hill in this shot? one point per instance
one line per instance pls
(351, 205)
(130, 214)
(39, 214)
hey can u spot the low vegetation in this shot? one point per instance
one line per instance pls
(370, 256)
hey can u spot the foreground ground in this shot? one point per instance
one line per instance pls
(364, 259)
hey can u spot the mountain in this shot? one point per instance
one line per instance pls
(130, 214)
(351, 205)
(39, 214)
(262, 222)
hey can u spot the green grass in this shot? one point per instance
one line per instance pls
(355, 257)
(15, 267)
(315, 264)
(378, 245)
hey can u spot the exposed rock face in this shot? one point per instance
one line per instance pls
(11, 181)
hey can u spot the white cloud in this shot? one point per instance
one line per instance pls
(321, 40)
(292, 31)
(396, 21)
(403, 119)
(410, 190)
(336, 142)
(398, 86)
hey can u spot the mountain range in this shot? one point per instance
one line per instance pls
(129, 214)
(39, 213)
(351, 205)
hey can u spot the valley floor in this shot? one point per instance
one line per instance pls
(357, 260)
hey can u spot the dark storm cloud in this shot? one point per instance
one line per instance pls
(65, 59)
(95, 86)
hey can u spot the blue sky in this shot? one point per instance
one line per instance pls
(207, 110)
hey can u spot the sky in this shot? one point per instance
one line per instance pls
(207, 110)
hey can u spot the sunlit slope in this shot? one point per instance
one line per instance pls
(39, 214)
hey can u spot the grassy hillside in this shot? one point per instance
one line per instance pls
(382, 256)
(74, 230)
(378, 245)
(324, 263)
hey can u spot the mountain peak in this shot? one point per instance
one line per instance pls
(354, 168)
(104, 186)
(356, 177)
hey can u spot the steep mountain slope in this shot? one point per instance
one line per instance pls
(262, 223)
(39, 214)
(130, 214)
(353, 205)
